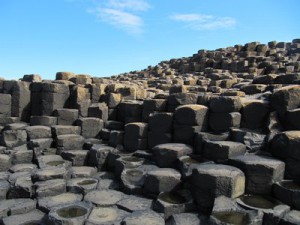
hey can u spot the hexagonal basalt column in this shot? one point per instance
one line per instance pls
(191, 115)
(285, 146)
(33, 217)
(103, 198)
(127, 162)
(183, 219)
(69, 142)
(106, 215)
(219, 180)
(161, 180)
(170, 203)
(45, 204)
(209, 181)
(16, 206)
(52, 161)
(288, 192)
(49, 174)
(260, 171)
(135, 136)
(167, 155)
(133, 203)
(81, 185)
(222, 150)
(188, 120)
(146, 217)
(49, 187)
(77, 157)
(132, 180)
(73, 214)
(291, 218)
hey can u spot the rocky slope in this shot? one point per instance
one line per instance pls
(209, 139)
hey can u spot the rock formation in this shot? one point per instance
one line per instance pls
(209, 139)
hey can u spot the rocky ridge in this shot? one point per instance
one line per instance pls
(208, 139)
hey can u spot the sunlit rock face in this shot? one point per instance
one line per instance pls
(212, 138)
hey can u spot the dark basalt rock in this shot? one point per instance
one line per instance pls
(221, 124)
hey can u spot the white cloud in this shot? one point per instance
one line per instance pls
(123, 14)
(191, 17)
(205, 22)
(124, 20)
(134, 5)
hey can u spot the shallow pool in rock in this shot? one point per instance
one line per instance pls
(87, 182)
(259, 201)
(55, 163)
(289, 184)
(172, 198)
(232, 217)
(71, 212)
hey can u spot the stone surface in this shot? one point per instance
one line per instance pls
(106, 215)
(98, 156)
(70, 213)
(66, 116)
(90, 127)
(209, 181)
(184, 218)
(69, 142)
(170, 203)
(166, 155)
(285, 147)
(103, 198)
(65, 129)
(135, 136)
(255, 114)
(36, 132)
(225, 104)
(161, 180)
(133, 203)
(260, 171)
(218, 122)
(286, 98)
(191, 115)
(50, 187)
(13, 138)
(222, 122)
(16, 206)
(147, 217)
(77, 157)
(49, 174)
(32, 217)
(5, 104)
(292, 217)
(288, 192)
(45, 204)
(219, 180)
(222, 150)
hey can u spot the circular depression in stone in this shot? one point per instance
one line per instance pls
(87, 182)
(259, 201)
(190, 161)
(291, 185)
(55, 163)
(103, 215)
(172, 198)
(134, 173)
(104, 198)
(131, 159)
(32, 223)
(236, 218)
(71, 212)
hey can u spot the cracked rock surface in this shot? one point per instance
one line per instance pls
(209, 139)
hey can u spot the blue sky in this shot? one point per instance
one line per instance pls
(107, 37)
